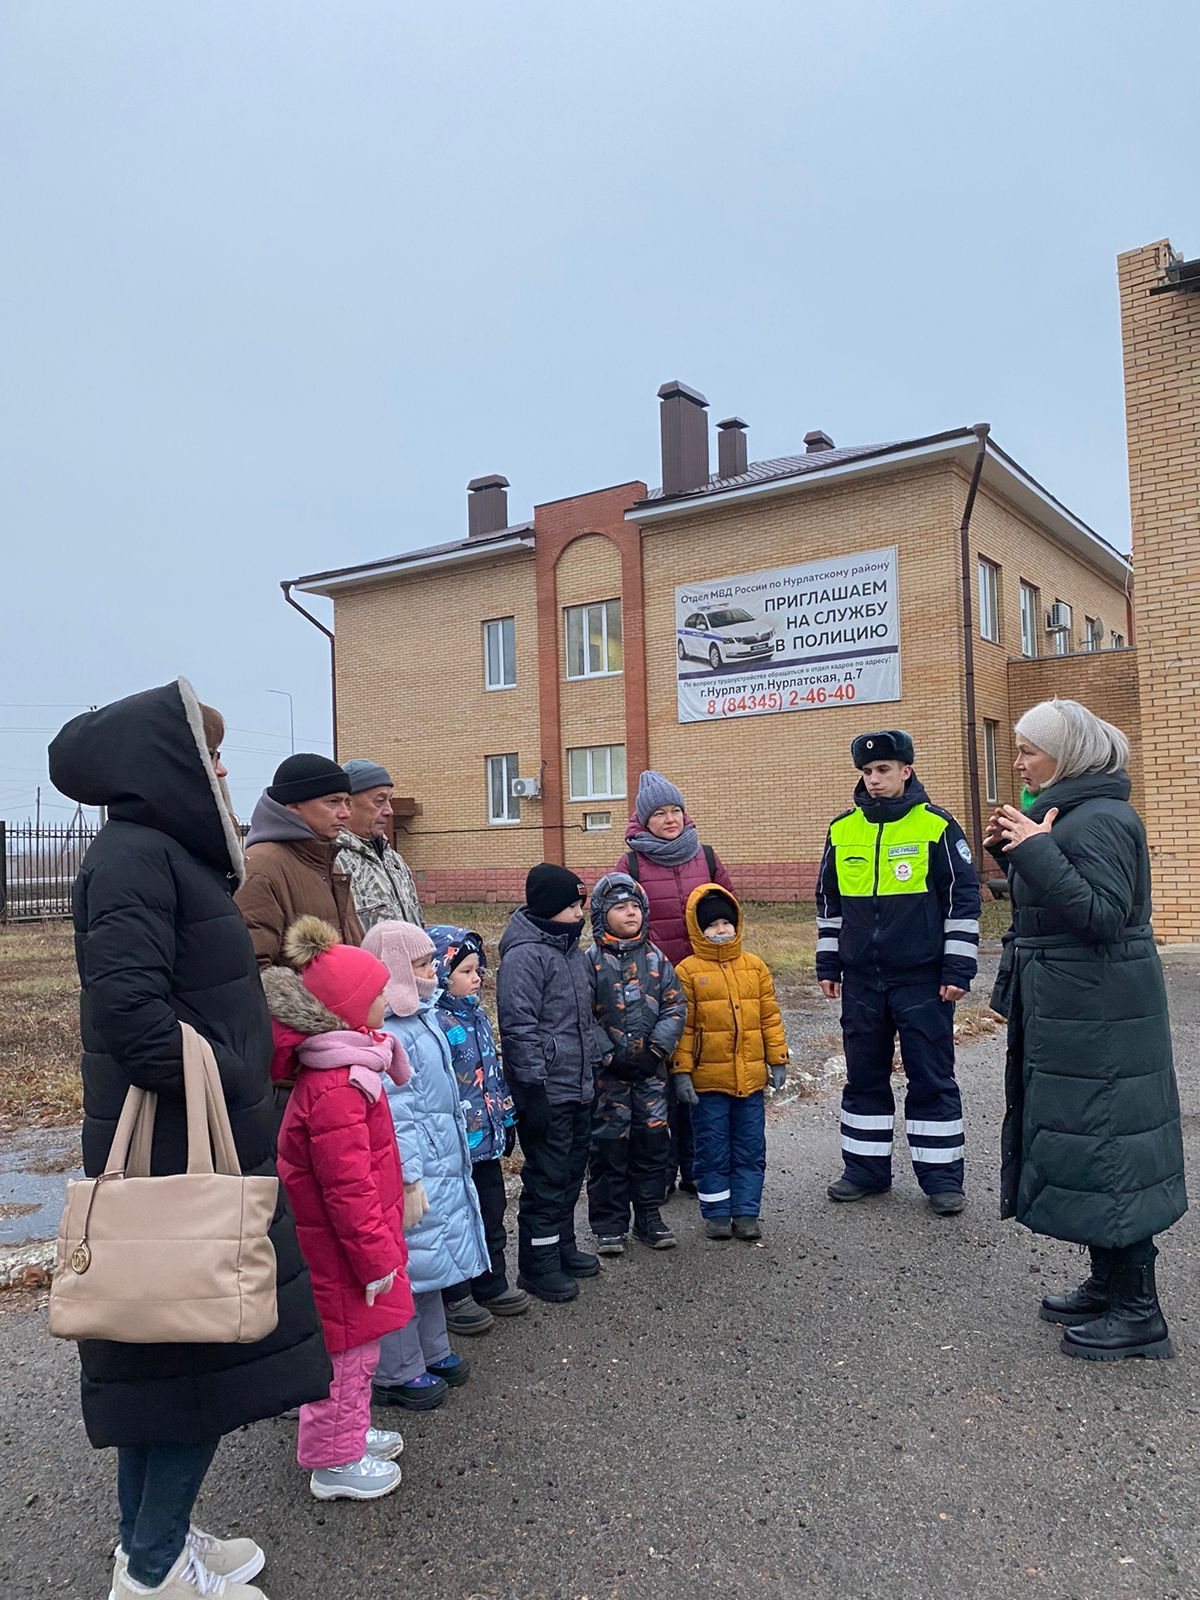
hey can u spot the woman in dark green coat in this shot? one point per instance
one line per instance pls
(1091, 1148)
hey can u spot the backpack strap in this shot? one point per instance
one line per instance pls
(710, 856)
(631, 865)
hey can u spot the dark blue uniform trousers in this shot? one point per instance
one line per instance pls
(872, 1015)
(730, 1154)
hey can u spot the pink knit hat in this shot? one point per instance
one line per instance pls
(398, 945)
(345, 979)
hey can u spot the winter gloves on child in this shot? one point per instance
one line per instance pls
(533, 1107)
(685, 1090)
(415, 1204)
(380, 1287)
(778, 1075)
(636, 1066)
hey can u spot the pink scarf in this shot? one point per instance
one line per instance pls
(370, 1057)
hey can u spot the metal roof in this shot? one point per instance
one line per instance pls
(428, 554)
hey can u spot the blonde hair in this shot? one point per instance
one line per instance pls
(1077, 738)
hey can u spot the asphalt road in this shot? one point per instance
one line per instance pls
(867, 1405)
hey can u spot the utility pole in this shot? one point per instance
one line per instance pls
(291, 716)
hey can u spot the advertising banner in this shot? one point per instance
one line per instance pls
(824, 633)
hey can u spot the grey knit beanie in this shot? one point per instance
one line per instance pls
(653, 791)
(1045, 726)
(366, 775)
(1077, 738)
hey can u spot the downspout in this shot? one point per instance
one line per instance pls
(328, 632)
(981, 431)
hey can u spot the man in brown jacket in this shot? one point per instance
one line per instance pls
(290, 854)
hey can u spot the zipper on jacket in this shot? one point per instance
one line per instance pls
(875, 894)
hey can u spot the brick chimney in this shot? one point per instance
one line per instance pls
(684, 438)
(731, 448)
(815, 441)
(487, 506)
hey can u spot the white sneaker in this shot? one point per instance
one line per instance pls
(383, 1444)
(188, 1578)
(236, 1559)
(367, 1479)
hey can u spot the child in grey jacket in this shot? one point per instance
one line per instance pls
(549, 1050)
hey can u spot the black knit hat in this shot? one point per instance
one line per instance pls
(714, 905)
(550, 889)
(307, 777)
(893, 744)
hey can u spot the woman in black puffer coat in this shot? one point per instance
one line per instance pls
(1091, 1148)
(158, 940)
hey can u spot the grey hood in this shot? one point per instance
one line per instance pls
(272, 823)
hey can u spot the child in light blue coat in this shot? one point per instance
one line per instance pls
(443, 1228)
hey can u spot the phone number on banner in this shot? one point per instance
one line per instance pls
(741, 705)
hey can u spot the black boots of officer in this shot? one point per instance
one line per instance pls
(1115, 1313)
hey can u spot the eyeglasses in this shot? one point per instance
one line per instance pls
(214, 756)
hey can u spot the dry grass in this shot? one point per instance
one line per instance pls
(39, 1026)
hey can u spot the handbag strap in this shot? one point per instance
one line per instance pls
(207, 1112)
(129, 1141)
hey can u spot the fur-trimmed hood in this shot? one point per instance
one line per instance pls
(295, 1007)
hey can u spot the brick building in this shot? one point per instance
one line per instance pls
(603, 636)
(1160, 331)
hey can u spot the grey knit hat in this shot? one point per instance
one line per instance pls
(653, 791)
(366, 775)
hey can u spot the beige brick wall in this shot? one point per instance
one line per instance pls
(1161, 339)
(1107, 683)
(411, 695)
(764, 787)
(1003, 535)
(592, 710)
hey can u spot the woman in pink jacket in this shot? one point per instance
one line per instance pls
(666, 857)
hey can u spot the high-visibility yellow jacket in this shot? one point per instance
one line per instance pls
(733, 1030)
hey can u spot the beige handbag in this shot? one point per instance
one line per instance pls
(183, 1259)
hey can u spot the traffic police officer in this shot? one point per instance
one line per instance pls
(898, 940)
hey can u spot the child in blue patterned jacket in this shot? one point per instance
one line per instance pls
(460, 963)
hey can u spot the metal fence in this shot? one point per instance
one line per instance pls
(37, 868)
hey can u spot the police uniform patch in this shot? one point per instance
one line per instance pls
(964, 849)
(903, 870)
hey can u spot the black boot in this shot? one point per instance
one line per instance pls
(651, 1230)
(1133, 1325)
(540, 1273)
(1089, 1301)
(579, 1263)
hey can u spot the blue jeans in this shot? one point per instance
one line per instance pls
(157, 1487)
(730, 1155)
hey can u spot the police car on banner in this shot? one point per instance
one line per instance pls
(723, 634)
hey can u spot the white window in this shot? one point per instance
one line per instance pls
(597, 821)
(1030, 610)
(1062, 641)
(594, 640)
(1116, 641)
(502, 806)
(989, 600)
(597, 772)
(1093, 634)
(990, 780)
(500, 654)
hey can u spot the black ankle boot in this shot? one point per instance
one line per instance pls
(579, 1263)
(1133, 1325)
(1089, 1301)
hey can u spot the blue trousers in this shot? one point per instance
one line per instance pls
(730, 1155)
(871, 1018)
(156, 1489)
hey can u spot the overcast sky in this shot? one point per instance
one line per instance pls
(280, 277)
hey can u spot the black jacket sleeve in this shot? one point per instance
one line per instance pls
(1094, 890)
(957, 887)
(829, 917)
(128, 957)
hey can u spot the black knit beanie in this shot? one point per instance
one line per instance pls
(550, 889)
(307, 777)
(714, 905)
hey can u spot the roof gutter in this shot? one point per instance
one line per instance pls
(324, 583)
(287, 586)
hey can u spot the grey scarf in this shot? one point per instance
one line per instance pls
(666, 852)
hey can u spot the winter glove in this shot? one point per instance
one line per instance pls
(381, 1286)
(510, 1138)
(415, 1204)
(778, 1075)
(624, 1067)
(533, 1110)
(685, 1090)
(649, 1064)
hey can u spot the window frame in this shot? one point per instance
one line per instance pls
(589, 751)
(986, 601)
(511, 803)
(991, 765)
(1093, 637)
(498, 622)
(606, 633)
(1031, 613)
(1116, 641)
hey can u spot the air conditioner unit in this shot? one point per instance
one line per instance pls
(526, 788)
(1058, 618)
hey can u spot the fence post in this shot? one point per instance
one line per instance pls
(3, 871)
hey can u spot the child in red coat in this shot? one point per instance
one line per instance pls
(339, 1163)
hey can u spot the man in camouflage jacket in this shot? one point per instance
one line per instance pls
(640, 1013)
(380, 881)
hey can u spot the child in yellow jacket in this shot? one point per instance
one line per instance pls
(732, 1045)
